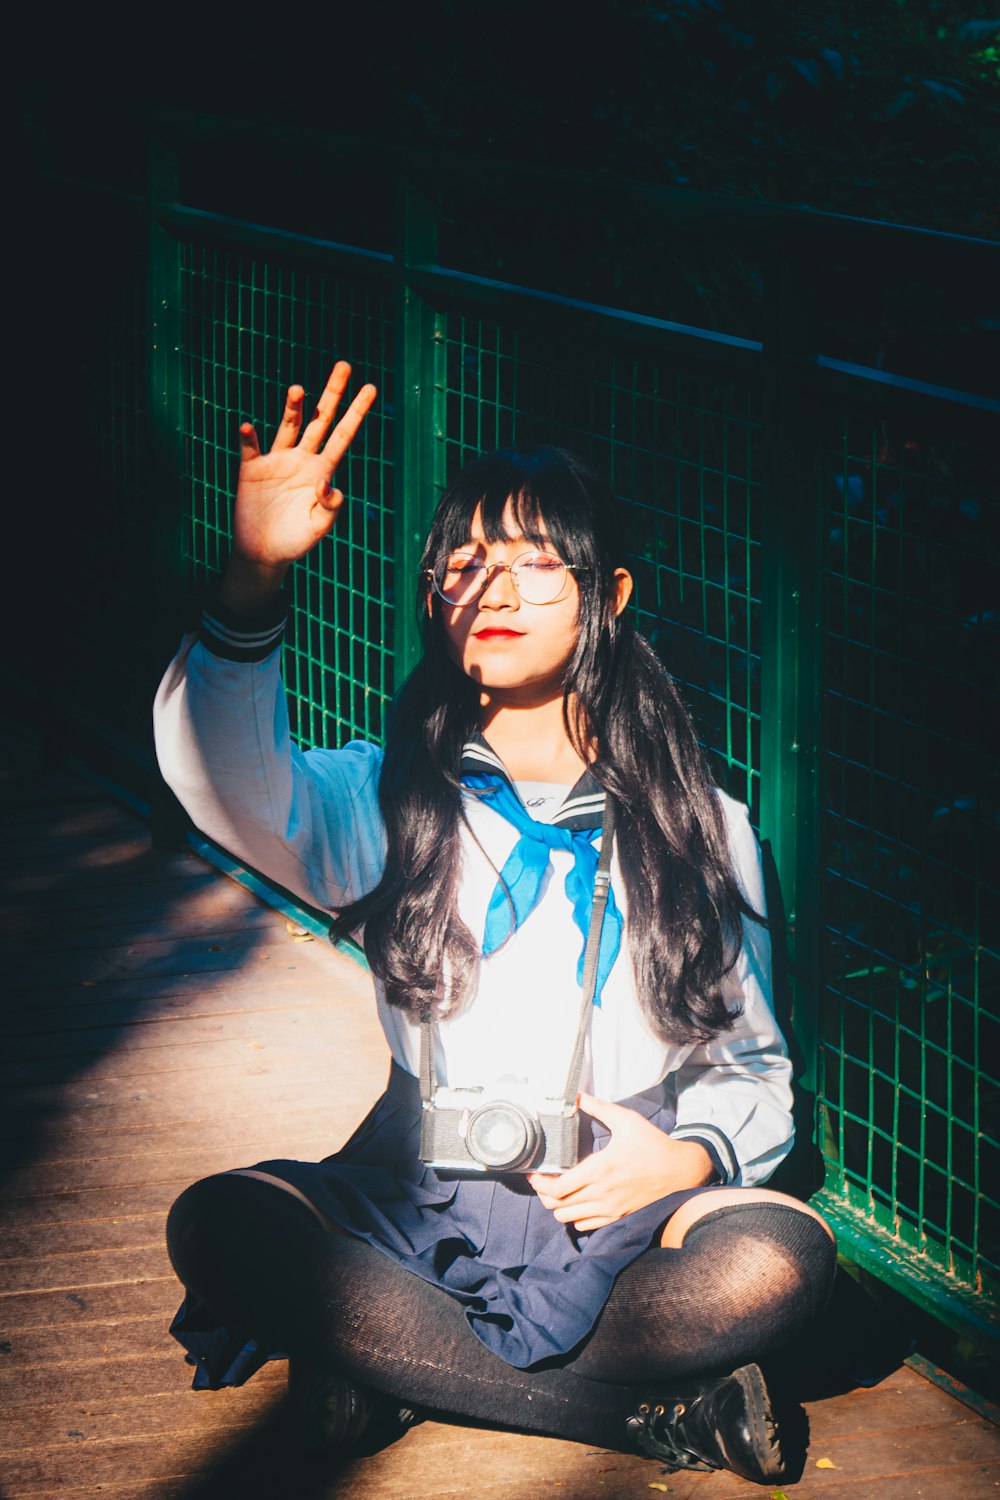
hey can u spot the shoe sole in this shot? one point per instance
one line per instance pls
(761, 1424)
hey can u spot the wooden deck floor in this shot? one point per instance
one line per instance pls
(159, 1024)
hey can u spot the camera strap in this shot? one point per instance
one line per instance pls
(602, 884)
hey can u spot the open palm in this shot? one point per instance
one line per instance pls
(285, 499)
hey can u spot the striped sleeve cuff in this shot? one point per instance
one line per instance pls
(718, 1146)
(244, 638)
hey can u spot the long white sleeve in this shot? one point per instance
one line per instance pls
(735, 1090)
(309, 821)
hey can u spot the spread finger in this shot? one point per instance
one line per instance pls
(345, 430)
(315, 431)
(291, 419)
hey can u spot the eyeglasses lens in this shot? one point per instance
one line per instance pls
(538, 577)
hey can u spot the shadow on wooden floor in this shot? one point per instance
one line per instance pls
(158, 1025)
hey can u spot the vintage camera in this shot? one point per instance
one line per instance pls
(502, 1127)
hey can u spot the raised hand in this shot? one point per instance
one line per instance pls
(639, 1164)
(285, 499)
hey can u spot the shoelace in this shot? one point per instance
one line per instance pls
(654, 1428)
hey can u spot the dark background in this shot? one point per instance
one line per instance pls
(887, 110)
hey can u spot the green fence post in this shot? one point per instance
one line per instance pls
(420, 413)
(164, 441)
(791, 641)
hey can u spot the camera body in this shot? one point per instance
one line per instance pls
(501, 1127)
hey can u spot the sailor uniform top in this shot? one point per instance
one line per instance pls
(311, 822)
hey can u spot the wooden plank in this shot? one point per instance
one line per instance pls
(893, 1404)
(180, 1062)
(130, 847)
(183, 1097)
(38, 970)
(117, 1338)
(103, 1203)
(80, 932)
(65, 831)
(162, 887)
(137, 1172)
(36, 1114)
(157, 1034)
(142, 990)
(229, 958)
(71, 1240)
(146, 1374)
(181, 1413)
(154, 1140)
(134, 1057)
(41, 1292)
(93, 1090)
(168, 875)
(96, 1013)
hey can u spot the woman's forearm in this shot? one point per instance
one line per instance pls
(250, 588)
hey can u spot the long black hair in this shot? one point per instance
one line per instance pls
(684, 904)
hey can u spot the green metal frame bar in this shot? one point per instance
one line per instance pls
(860, 1240)
(791, 640)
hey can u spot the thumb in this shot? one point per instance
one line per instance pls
(602, 1109)
(330, 500)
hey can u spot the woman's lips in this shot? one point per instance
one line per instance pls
(498, 635)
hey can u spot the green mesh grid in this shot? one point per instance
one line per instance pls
(909, 1033)
(681, 450)
(253, 327)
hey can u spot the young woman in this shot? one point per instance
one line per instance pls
(619, 1299)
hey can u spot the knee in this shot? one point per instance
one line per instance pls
(706, 1204)
(187, 1219)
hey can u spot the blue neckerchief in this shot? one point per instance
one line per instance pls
(524, 871)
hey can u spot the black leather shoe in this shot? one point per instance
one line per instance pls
(331, 1414)
(328, 1412)
(720, 1424)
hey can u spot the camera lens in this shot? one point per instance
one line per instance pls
(502, 1135)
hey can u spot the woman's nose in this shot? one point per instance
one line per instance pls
(496, 595)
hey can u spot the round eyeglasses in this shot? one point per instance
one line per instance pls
(538, 577)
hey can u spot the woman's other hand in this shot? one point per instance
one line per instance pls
(639, 1164)
(285, 500)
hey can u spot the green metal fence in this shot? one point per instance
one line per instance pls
(815, 552)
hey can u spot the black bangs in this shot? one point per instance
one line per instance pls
(552, 495)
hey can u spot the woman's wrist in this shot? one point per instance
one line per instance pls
(695, 1163)
(250, 588)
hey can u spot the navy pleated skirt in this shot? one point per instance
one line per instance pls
(533, 1288)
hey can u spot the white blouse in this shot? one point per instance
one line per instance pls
(311, 822)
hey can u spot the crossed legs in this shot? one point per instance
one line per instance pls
(749, 1273)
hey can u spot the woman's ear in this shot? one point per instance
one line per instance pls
(621, 591)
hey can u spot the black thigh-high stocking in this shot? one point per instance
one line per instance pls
(262, 1262)
(746, 1279)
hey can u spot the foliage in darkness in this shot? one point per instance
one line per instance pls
(888, 110)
